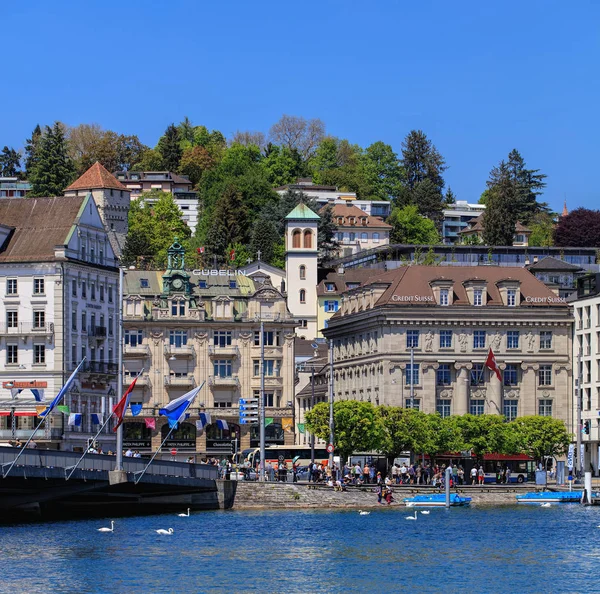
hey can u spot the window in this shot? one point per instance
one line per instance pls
(478, 297)
(73, 320)
(415, 403)
(339, 237)
(352, 236)
(330, 287)
(545, 339)
(12, 354)
(12, 319)
(545, 375)
(442, 408)
(302, 296)
(271, 367)
(133, 338)
(93, 291)
(477, 374)
(511, 377)
(101, 257)
(83, 252)
(110, 294)
(110, 326)
(412, 339)
(375, 237)
(545, 408)
(445, 339)
(308, 239)
(39, 319)
(178, 308)
(364, 237)
(443, 296)
(39, 354)
(232, 284)
(74, 288)
(331, 306)
(73, 355)
(177, 338)
(101, 292)
(222, 338)
(510, 409)
(83, 290)
(11, 286)
(296, 238)
(479, 339)
(202, 284)
(83, 321)
(476, 407)
(222, 367)
(444, 377)
(411, 375)
(302, 272)
(511, 298)
(512, 339)
(92, 250)
(83, 354)
(38, 286)
(271, 338)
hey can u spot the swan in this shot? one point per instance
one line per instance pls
(185, 515)
(363, 513)
(411, 517)
(426, 512)
(111, 529)
(548, 504)
(163, 531)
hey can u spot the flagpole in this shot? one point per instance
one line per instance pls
(119, 446)
(182, 415)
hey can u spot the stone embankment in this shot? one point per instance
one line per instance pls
(253, 495)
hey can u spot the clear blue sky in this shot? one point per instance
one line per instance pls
(479, 77)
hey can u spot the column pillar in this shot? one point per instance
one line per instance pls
(493, 394)
(460, 404)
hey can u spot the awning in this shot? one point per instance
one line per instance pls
(26, 414)
(4, 414)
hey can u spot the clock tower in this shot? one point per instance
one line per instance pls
(175, 278)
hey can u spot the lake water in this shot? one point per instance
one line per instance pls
(485, 549)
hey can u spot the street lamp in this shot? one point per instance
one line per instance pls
(412, 376)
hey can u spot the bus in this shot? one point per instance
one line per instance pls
(522, 467)
(299, 455)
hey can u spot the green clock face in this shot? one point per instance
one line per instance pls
(177, 283)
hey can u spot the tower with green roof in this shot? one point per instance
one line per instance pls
(301, 268)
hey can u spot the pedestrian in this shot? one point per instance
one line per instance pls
(372, 473)
(129, 453)
(474, 475)
(507, 474)
(366, 473)
(379, 493)
(403, 473)
(480, 475)
(137, 454)
(395, 473)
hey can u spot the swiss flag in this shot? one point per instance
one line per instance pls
(491, 364)
(232, 255)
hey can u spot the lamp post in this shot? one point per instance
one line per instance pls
(412, 376)
(579, 394)
(312, 406)
(331, 425)
(261, 407)
(119, 460)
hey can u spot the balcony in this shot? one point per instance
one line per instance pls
(143, 380)
(229, 381)
(138, 350)
(184, 350)
(185, 381)
(27, 329)
(101, 367)
(98, 332)
(226, 351)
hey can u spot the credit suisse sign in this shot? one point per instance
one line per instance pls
(544, 300)
(413, 298)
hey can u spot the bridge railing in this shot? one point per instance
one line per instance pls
(101, 462)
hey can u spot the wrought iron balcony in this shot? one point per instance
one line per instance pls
(97, 331)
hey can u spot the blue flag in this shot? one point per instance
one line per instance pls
(136, 409)
(95, 419)
(62, 392)
(175, 410)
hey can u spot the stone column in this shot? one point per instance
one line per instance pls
(460, 404)
(494, 393)
(528, 397)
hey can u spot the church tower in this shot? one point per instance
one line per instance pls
(301, 268)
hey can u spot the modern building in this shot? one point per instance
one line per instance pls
(557, 274)
(13, 187)
(183, 328)
(138, 182)
(448, 319)
(475, 229)
(58, 304)
(112, 200)
(456, 218)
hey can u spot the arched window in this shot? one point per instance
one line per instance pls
(302, 272)
(308, 239)
(364, 236)
(302, 296)
(297, 238)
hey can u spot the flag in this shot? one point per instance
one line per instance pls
(268, 421)
(287, 424)
(95, 419)
(63, 408)
(75, 419)
(39, 410)
(232, 255)
(63, 391)
(490, 363)
(203, 421)
(121, 406)
(150, 423)
(175, 410)
(14, 392)
(200, 250)
(136, 409)
(221, 424)
(38, 394)
(301, 427)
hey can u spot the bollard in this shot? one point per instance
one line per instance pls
(448, 478)
(588, 487)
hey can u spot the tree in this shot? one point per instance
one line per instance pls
(500, 218)
(170, 149)
(529, 184)
(421, 161)
(10, 162)
(542, 230)
(265, 239)
(484, 434)
(149, 160)
(297, 133)
(283, 166)
(83, 141)
(358, 426)
(409, 227)
(450, 197)
(541, 437)
(430, 201)
(53, 170)
(186, 133)
(194, 162)
(246, 137)
(580, 228)
(383, 171)
(31, 146)
(326, 230)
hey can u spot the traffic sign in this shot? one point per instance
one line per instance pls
(330, 448)
(174, 452)
(248, 411)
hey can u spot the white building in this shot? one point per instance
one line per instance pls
(58, 304)
(457, 217)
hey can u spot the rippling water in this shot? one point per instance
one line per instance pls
(485, 549)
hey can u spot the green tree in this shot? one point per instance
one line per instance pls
(450, 197)
(53, 170)
(409, 227)
(31, 146)
(186, 133)
(169, 146)
(500, 217)
(283, 166)
(149, 160)
(447, 435)
(539, 437)
(529, 184)
(484, 434)
(421, 161)
(429, 200)
(194, 162)
(542, 230)
(358, 426)
(383, 171)
(10, 162)
(265, 239)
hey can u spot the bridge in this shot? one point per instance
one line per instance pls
(37, 486)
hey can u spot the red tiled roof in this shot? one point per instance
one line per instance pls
(97, 177)
(349, 210)
(476, 224)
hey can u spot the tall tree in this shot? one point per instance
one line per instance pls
(580, 228)
(409, 227)
(264, 239)
(194, 162)
(499, 218)
(54, 169)
(542, 230)
(295, 132)
(326, 238)
(529, 184)
(186, 133)
(421, 161)
(429, 200)
(283, 166)
(10, 162)
(247, 137)
(31, 145)
(541, 437)
(169, 146)
(383, 170)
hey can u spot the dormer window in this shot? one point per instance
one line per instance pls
(202, 284)
(144, 283)
(477, 297)
(364, 221)
(330, 287)
(444, 297)
(511, 297)
(232, 284)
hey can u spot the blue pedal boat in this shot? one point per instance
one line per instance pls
(550, 497)
(436, 500)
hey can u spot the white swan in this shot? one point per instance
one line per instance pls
(363, 513)
(426, 512)
(163, 531)
(111, 529)
(411, 517)
(185, 515)
(547, 504)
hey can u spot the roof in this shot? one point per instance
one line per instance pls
(96, 177)
(550, 263)
(476, 224)
(169, 176)
(341, 280)
(40, 224)
(411, 285)
(302, 212)
(349, 210)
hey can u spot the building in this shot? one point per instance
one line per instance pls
(59, 288)
(456, 218)
(112, 200)
(475, 228)
(13, 187)
(557, 274)
(138, 182)
(356, 230)
(184, 328)
(449, 318)
(586, 358)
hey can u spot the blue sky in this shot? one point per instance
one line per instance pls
(480, 78)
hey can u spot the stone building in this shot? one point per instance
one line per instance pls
(183, 328)
(449, 318)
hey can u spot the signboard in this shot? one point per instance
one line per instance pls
(136, 443)
(544, 300)
(218, 443)
(212, 272)
(25, 385)
(570, 457)
(413, 298)
(180, 443)
(173, 452)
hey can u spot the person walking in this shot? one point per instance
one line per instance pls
(474, 475)
(480, 475)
